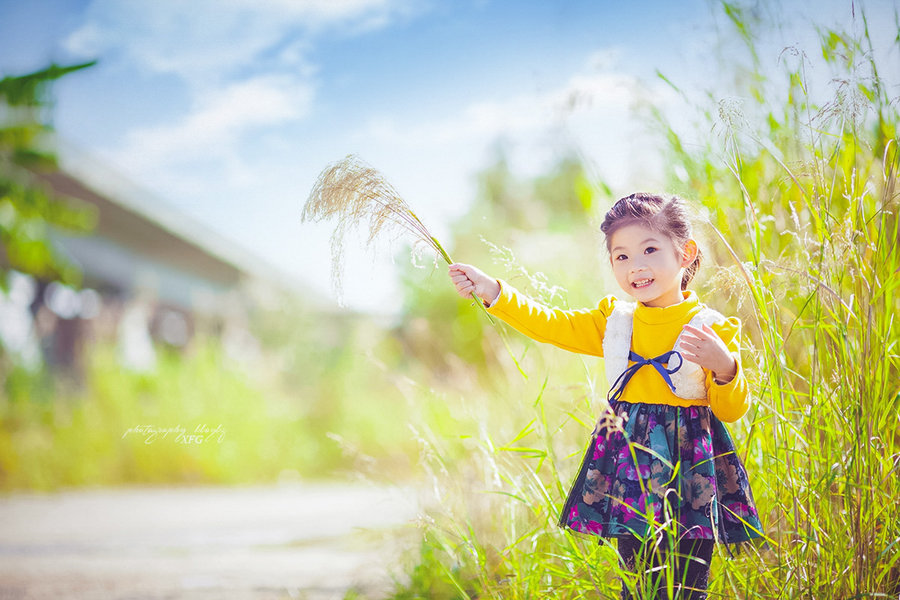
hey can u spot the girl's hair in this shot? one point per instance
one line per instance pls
(669, 217)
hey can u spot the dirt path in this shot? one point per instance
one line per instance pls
(288, 541)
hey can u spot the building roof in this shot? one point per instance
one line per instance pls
(138, 229)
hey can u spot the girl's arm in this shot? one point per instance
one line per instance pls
(574, 330)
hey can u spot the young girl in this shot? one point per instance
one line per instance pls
(661, 473)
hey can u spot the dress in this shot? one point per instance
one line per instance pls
(692, 476)
(655, 459)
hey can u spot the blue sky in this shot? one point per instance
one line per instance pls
(228, 109)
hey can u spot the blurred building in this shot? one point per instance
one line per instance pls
(151, 276)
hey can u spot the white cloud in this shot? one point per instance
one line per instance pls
(605, 59)
(592, 113)
(206, 40)
(318, 14)
(521, 114)
(243, 63)
(213, 130)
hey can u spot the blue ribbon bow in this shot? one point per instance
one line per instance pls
(639, 361)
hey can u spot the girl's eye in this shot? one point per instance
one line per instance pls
(621, 257)
(649, 250)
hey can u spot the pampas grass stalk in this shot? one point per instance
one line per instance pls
(353, 192)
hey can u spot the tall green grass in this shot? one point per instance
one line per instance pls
(801, 195)
(813, 184)
(292, 412)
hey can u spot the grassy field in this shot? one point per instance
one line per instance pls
(795, 186)
(798, 187)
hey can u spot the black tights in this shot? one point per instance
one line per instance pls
(691, 564)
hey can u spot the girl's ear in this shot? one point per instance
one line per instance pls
(689, 254)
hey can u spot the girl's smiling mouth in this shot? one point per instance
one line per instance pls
(641, 283)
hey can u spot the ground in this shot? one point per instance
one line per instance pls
(293, 541)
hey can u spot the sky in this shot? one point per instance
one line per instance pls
(227, 110)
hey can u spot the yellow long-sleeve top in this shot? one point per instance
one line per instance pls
(654, 332)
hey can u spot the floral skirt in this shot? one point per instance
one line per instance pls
(655, 465)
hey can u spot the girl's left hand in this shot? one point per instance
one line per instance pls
(705, 348)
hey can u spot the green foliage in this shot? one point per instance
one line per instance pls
(496, 458)
(255, 425)
(431, 579)
(806, 198)
(27, 212)
(31, 90)
(799, 182)
(799, 185)
(27, 209)
(542, 223)
(23, 99)
(90, 438)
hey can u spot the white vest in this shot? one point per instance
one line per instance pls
(689, 380)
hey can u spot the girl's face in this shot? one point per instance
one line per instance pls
(648, 266)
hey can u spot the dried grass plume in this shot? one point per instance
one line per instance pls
(355, 194)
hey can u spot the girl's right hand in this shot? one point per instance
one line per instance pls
(469, 280)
